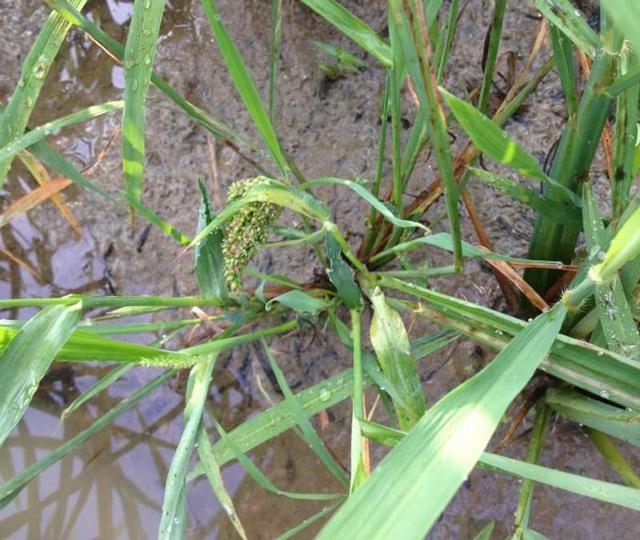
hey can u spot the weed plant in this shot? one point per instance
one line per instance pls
(578, 313)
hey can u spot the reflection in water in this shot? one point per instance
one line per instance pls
(113, 484)
(101, 487)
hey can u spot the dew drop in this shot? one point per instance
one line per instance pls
(325, 395)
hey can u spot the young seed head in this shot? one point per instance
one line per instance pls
(246, 231)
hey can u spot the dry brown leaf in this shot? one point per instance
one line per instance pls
(41, 175)
(32, 199)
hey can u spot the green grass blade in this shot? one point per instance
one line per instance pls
(493, 140)
(139, 55)
(391, 344)
(580, 485)
(27, 358)
(156, 220)
(495, 143)
(245, 85)
(624, 15)
(563, 59)
(530, 534)
(445, 241)
(616, 319)
(341, 275)
(102, 384)
(485, 532)
(175, 486)
(495, 34)
(417, 54)
(626, 131)
(64, 167)
(444, 44)
(624, 247)
(94, 327)
(358, 474)
(11, 488)
(618, 422)
(567, 214)
(307, 522)
(365, 194)
(571, 164)
(411, 487)
(624, 82)
(210, 123)
(396, 82)
(587, 487)
(562, 14)
(39, 133)
(278, 418)
(538, 434)
(614, 458)
(188, 357)
(309, 434)
(212, 470)
(300, 302)
(83, 345)
(574, 361)
(257, 475)
(275, 43)
(208, 258)
(125, 303)
(35, 68)
(354, 28)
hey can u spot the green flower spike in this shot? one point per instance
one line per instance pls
(246, 231)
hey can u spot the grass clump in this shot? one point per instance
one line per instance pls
(573, 318)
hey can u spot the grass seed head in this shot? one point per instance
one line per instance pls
(246, 231)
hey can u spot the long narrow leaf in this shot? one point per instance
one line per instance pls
(52, 127)
(35, 68)
(409, 26)
(245, 85)
(410, 488)
(588, 487)
(207, 121)
(10, 489)
(370, 199)
(208, 258)
(310, 435)
(353, 27)
(567, 18)
(617, 422)
(197, 392)
(139, 55)
(27, 358)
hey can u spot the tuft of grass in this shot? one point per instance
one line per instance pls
(587, 339)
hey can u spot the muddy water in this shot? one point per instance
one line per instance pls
(112, 487)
